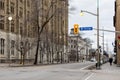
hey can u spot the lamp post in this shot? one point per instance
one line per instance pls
(61, 48)
(9, 30)
(97, 15)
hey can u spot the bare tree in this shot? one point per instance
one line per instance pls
(88, 40)
(40, 27)
(24, 46)
(25, 40)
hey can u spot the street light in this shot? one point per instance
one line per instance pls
(10, 19)
(97, 15)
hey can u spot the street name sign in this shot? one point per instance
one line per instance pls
(85, 28)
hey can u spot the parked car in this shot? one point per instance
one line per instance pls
(93, 60)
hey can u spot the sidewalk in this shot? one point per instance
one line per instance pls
(107, 72)
(4, 65)
(25, 65)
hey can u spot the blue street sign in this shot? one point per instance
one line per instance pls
(85, 28)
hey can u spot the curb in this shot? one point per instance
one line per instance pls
(91, 67)
(31, 65)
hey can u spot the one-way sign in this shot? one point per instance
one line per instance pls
(86, 28)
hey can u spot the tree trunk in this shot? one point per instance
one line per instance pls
(36, 55)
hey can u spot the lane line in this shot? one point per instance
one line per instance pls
(89, 76)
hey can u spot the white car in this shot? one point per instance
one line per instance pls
(93, 60)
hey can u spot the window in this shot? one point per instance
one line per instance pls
(28, 3)
(21, 29)
(2, 45)
(46, 3)
(12, 47)
(74, 46)
(1, 22)
(2, 5)
(7, 7)
(12, 27)
(74, 41)
(28, 49)
(21, 12)
(29, 32)
(21, 44)
(7, 24)
(21, 1)
(12, 7)
(28, 15)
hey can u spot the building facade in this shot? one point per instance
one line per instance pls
(55, 32)
(78, 47)
(14, 32)
(18, 37)
(117, 28)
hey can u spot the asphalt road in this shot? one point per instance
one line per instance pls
(72, 71)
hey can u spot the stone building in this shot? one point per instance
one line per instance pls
(54, 35)
(14, 32)
(18, 37)
(78, 47)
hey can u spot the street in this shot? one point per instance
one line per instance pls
(59, 40)
(72, 71)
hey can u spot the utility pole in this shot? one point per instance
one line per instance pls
(98, 64)
(97, 15)
(103, 42)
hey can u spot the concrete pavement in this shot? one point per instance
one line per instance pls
(74, 71)
(77, 71)
(107, 72)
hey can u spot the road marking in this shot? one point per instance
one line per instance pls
(86, 67)
(89, 76)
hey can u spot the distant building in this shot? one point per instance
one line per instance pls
(78, 47)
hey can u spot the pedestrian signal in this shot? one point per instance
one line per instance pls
(76, 28)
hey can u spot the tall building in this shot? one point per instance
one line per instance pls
(18, 36)
(15, 33)
(54, 35)
(117, 28)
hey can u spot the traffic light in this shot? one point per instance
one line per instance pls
(76, 28)
(115, 47)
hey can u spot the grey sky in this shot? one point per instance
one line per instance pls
(106, 9)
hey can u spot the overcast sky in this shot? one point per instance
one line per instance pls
(106, 9)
